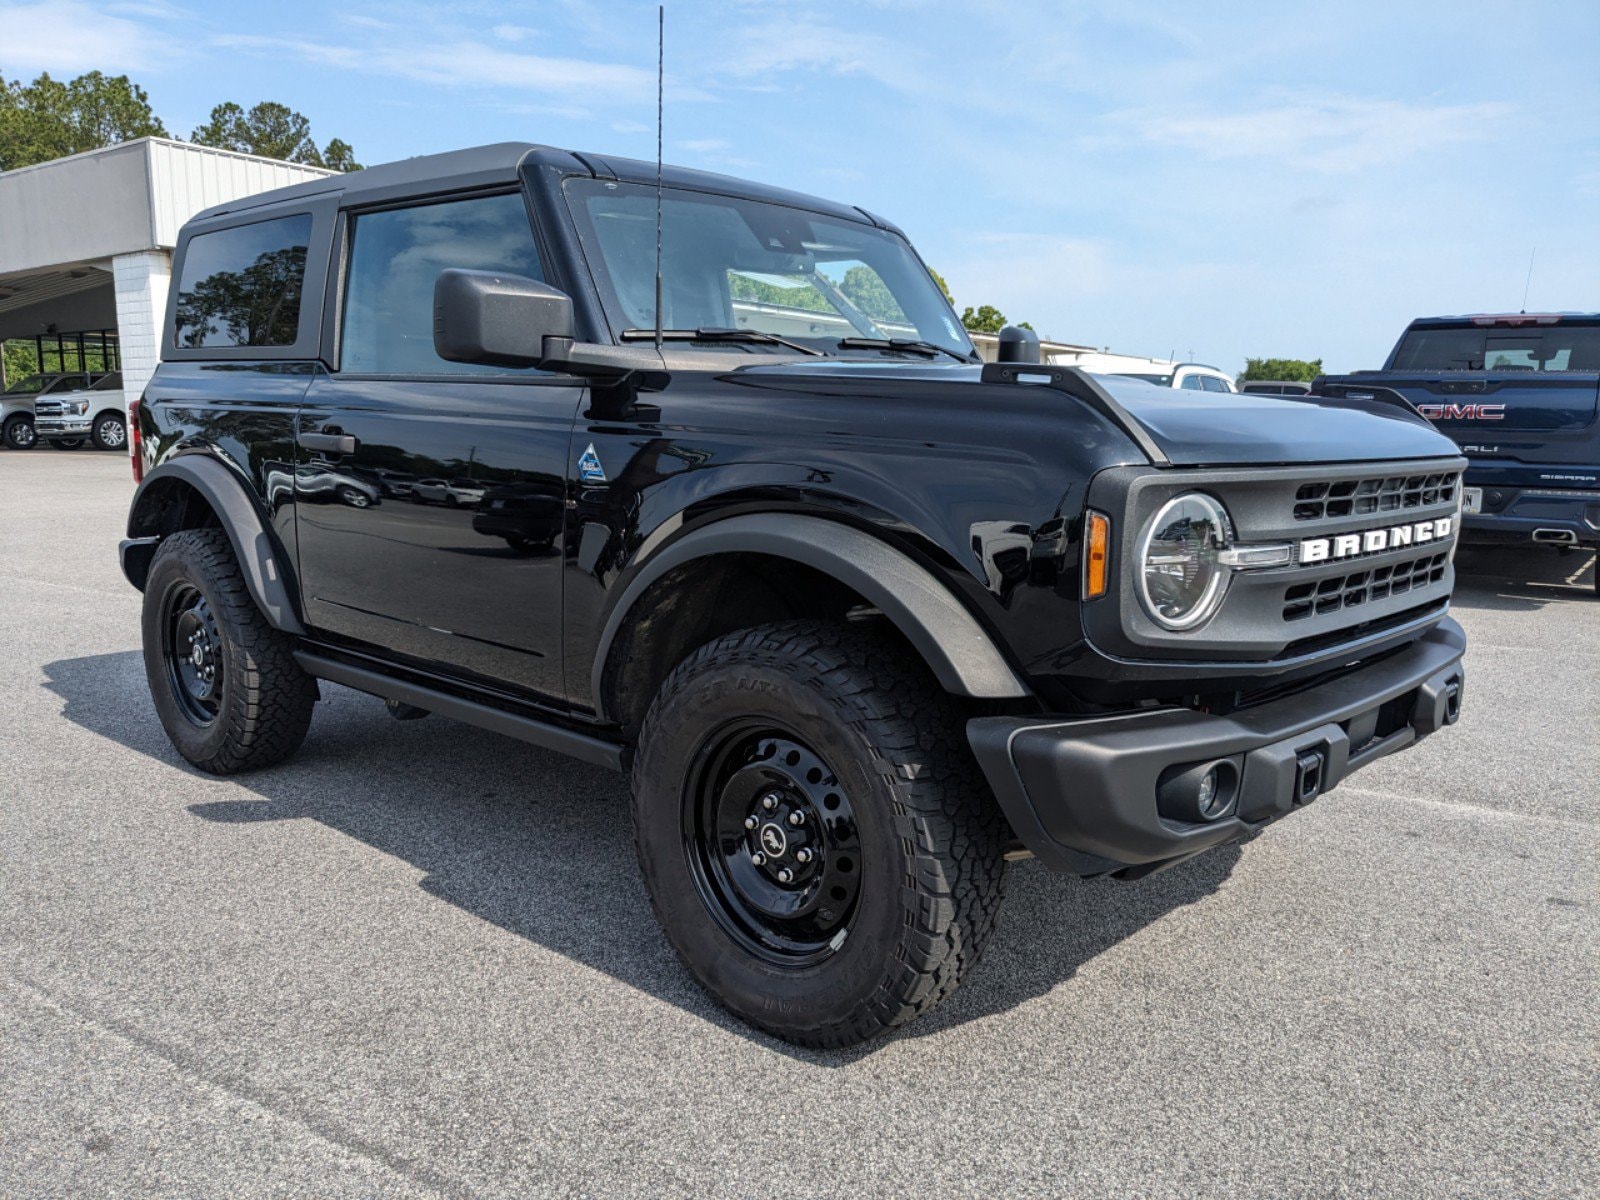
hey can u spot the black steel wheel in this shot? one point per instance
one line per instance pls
(192, 647)
(819, 845)
(224, 681)
(772, 843)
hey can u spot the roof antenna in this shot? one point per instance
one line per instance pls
(661, 60)
(1529, 283)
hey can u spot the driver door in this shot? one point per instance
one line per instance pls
(431, 495)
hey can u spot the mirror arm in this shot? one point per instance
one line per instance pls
(597, 360)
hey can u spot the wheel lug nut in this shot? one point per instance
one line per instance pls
(802, 855)
(785, 875)
(769, 801)
(758, 858)
(751, 822)
(796, 818)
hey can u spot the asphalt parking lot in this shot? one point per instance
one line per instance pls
(418, 959)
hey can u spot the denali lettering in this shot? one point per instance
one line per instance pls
(1463, 412)
(1370, 541)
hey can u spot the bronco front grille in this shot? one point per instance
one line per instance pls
(1359, 497)
(1330, 595)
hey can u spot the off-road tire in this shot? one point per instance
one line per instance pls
(932, 869)
(266, 699)
(19, 434)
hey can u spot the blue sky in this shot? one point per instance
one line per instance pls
(1223, 179)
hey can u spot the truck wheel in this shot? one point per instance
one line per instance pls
(67, 443)
(225, 684)
(818, 842)
(19, 434)
(110, 432)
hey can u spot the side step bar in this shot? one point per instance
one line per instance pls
(525, 729)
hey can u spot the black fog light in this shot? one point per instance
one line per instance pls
(1199, 794)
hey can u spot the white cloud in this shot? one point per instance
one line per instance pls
(69, 37)
(1332, 134)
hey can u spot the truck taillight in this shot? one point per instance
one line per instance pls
(135, 441)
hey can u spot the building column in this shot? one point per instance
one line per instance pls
(142, 281)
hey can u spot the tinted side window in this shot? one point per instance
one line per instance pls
(1192, 383)
(396, 256)
(1212, 384)
(242, 286)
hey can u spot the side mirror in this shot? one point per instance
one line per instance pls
(496, 319)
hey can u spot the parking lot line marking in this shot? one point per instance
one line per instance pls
(1478, 810)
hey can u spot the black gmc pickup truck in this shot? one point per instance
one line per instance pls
(863, 616)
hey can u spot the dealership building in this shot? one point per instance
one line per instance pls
(86, 245)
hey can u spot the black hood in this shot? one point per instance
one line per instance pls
(1192, 428)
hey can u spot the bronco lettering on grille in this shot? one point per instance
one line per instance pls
(1371, 541)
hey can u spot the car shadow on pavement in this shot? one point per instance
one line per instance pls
(541, 846)
(1521, 578)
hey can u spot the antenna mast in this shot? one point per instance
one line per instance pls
(1529, 283)
(661, 60)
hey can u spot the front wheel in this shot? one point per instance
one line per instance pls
(110, 432)
(19, 433)
(224, 681)
(819, 844)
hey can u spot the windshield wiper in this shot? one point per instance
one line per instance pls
(911, 345)
(753, 337)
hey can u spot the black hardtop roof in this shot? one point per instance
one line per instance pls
(485, 166)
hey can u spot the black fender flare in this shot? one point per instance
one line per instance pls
(262, 559)
(956, 648)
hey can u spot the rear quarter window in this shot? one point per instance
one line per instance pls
(243, 286)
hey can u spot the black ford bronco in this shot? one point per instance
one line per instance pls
(863, 616)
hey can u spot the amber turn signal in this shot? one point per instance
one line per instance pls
(1097, 548)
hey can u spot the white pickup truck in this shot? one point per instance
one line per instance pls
(76, 408)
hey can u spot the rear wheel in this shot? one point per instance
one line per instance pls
(110, 431)
(19, 433)
(67, 443)
(818, 842)
(225, 683)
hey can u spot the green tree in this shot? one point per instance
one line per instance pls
(985, 319)
(802, 295)
(272, 130)
(866, 289)
(943, 286)
(49, 119)
(1289, 370)
(20, 362)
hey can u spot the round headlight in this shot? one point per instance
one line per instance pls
(1180, 580)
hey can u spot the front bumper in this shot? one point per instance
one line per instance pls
(62, 427)
(1082, 794)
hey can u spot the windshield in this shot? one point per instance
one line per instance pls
(750, 265)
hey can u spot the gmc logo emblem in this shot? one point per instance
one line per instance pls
(1463, 412)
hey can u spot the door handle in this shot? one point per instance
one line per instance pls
(328, 443)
